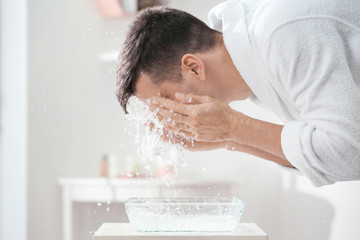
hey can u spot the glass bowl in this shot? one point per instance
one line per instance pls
(202, 214)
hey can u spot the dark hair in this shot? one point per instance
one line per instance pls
(155, 44)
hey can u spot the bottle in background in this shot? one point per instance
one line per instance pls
(104, 166)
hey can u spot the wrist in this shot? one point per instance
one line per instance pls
(238, 127)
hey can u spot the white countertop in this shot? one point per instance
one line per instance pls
(122, 231)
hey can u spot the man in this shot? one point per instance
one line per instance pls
(300, 59)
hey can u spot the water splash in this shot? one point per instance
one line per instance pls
(147, 131)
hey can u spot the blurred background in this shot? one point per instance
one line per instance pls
(62, 127)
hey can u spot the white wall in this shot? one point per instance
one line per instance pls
(73, 113)
(333, 212)
(74, 117)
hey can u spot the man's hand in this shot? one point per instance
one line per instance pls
(191, 144)
(201, 118)
(212, 124)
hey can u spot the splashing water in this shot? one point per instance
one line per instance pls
(150, 145)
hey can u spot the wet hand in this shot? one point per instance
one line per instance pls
(200, 118)
(194, 145)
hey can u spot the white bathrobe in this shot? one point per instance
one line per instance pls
(301, 59)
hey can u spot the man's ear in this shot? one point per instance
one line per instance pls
(193, 65)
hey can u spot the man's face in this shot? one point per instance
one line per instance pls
(211, 73)
(146, 89)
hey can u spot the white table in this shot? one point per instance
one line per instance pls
(119, 190)
(123, 231)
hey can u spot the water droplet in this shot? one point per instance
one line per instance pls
(89, 29)
(233, 148)
(190, 99)
(108, 209)
(99, 204)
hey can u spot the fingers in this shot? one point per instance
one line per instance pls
(172, 124)
(168, 136)
(186, 104)
(172, 105)
(176, 137)
(149, 125)
(184, 131)
(176, 127)
(168, 116)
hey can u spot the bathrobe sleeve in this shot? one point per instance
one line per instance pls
(317, 64)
